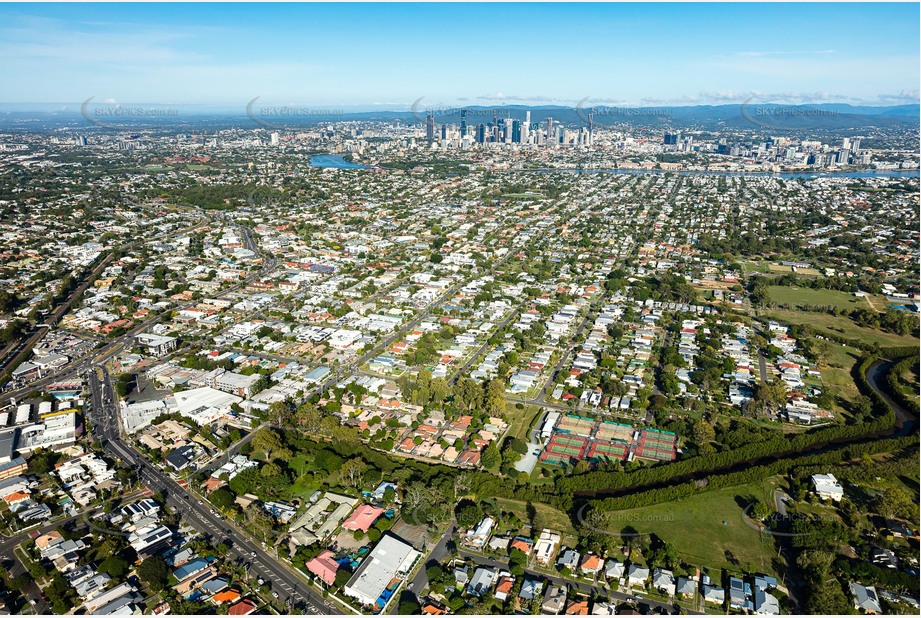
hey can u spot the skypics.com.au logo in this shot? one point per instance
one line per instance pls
(590, 114)
(777, 117)
(110, 114)
(277, 117)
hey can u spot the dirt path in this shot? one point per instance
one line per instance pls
(872, 306)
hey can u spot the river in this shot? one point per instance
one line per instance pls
(334, 161)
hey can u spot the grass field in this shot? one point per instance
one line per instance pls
(552, 518)
(807, 296)
(780, 268)
(708, 530)
(908, 381)
(841, 327)
(520, 425)
(836, 370)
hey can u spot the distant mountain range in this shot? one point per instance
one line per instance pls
(749, 115)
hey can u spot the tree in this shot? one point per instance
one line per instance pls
(114, 566)
(769, 397)
(389, 496)
(222, 498)
(309, 417)
(434, 573)
(269, 470)
(439, 390)
(468, 394)
(495, 397)
(281, 413)
(327, 461)
(702, 432)
(409, 607)
(268, 441)
(468, 513)
(154, 572)
(491, 457)
(353, 470)
(342, 578)
(518, 445)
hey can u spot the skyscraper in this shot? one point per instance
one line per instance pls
(480, 133)
(549, 129)
(516, 131)
(430, 127)
(463, 125)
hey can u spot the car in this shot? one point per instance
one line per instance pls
(200, 502)
(275, 594)
(260, 581)
(253, 554)
(212, 511)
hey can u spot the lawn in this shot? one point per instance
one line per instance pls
(836, 370)
(552, 518)
(522, 420)
(780, 268)
(841, 327)
(794, 295)
(908, 381)
(708, 529)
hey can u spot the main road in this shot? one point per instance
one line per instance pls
(290, 586)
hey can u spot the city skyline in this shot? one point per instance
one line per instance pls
(386, 57)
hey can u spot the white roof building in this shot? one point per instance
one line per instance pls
(389, 559)
(827, 487)
(205, 405)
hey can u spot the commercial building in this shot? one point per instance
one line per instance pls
(156, 345)
(373, 582)
(205, 405)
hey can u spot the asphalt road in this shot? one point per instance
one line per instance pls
(290, 587)
(583, 586)
(438, 554)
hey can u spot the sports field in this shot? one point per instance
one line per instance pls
(794, 295)
(841, 327)
(708, 529)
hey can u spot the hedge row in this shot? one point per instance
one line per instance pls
(732, 479)
(895, 390)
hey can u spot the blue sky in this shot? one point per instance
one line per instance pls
(387, 56)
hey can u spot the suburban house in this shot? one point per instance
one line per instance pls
(477, 537)
(324, 566)
(554, 600)
(545, 547)
(591, 565)
(713, 594)
(663, 581)
(827, 487)
(569, 558)
(481, 582)
(614, 569)
(686, 587)
(637, 575)
(865, 598)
